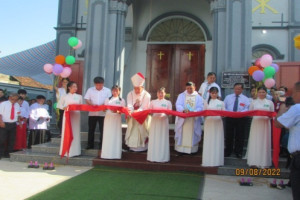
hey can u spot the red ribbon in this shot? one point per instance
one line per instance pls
(142, 115)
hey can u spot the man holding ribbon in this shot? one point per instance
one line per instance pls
(136, 137)
(188, 131)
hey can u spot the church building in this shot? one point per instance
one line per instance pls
(174, 41)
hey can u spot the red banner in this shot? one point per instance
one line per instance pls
(142, 115)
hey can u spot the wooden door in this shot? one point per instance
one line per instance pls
(171, 66)
(287, 75)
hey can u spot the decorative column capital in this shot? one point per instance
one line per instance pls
(118, 6)
(217, 5)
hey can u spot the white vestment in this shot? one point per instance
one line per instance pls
(158, 148)
(213, 139)
(112, 131)
(137, 134)
(188, 131)
(75, 148)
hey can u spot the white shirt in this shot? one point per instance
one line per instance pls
(243, 102)
(5, 111)
(204, 86)
(115, 101)
(291, 120)
(97, 97)
(60, 93)
(25, 109)
(37, 111)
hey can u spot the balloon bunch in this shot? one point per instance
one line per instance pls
(62, 64)
(264, 70)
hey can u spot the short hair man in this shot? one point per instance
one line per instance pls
(9, 115)
(291, 119)
(205, 86)
(236, 102)
(188, 131)
(96, 96)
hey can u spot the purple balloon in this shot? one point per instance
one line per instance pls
(258, 75)
(276, 67)
(57, 69)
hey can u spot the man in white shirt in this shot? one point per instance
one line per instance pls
(290, 119)
(9, 115)
(96, 96)
(210, 82)
(235, 127)
(136, 137)
(38, 119)
(25, 105)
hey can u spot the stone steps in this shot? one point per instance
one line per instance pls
(28, 155)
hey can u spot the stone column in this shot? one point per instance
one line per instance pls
(66, 25)
(105, 42)
(231, 35)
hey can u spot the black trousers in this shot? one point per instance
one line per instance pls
(295, 176)
(7, 136)
(93, 120)
(234, 135)
(60, 120)
(38, 136)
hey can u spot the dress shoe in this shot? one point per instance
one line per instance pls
(89, 147)
(238, 155)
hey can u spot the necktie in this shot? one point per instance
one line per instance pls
(205, 92)
(12, 111)
(236, 102)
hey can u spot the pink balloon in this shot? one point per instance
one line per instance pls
(57, 69)
(269, 83)
(257, 62)
(78, 45)
(66, 72)
(266, 60)
(48, 68)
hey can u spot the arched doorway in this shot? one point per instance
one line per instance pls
(175, 55)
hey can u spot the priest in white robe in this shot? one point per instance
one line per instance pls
(188, 131)
(136, 137)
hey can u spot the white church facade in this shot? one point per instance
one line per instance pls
(175, 41)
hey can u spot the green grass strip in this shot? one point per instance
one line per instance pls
(110, 183)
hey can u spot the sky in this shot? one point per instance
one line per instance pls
(25, 24)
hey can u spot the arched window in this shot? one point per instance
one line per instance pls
(176, 30)
(261, 49)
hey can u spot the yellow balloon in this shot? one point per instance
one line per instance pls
(297, 42)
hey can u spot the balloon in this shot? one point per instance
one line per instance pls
(252, 69)
(297, 42)
(266, 60)
(275, 66)
(78, 45)
(48, 68)
(55, 106)
(269, 83)
(57, 69)
(258, 75)
(66, 72)
(257, 62)
(70, 60)
(73, 41)
(60, 59)
(269, 72)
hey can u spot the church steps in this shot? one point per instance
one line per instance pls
(146, 165)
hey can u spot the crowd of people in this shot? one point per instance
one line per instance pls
(222, 137)
(17, 117)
